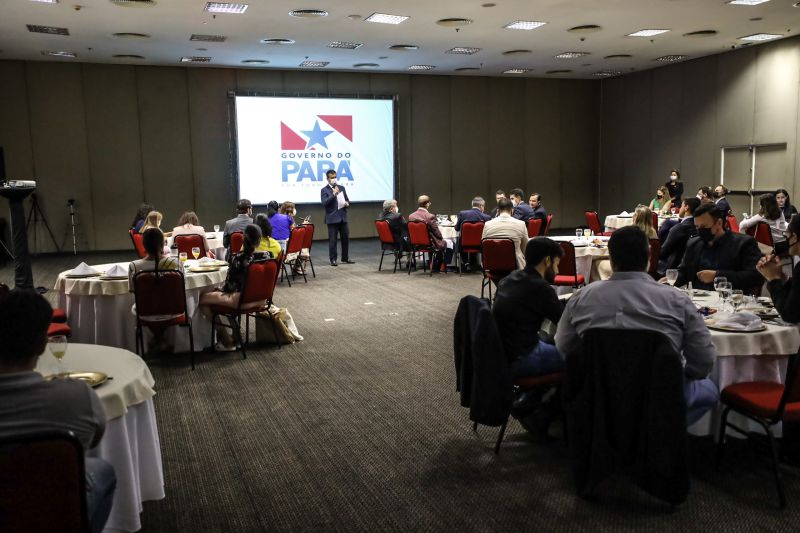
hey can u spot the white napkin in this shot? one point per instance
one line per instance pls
(205, 260)
(117, 271)
(82, 270)
(743, 320)
(624, 214)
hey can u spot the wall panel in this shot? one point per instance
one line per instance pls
(469, 138)
(506, 139)
(543, 151)
(15, 128)
(431, 167)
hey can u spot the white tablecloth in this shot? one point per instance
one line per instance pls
(613, 222)
(130, 443)
(448, 232)
(99, 312)
(588, 257)
(214, 242)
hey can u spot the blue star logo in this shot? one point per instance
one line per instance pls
(317, 136)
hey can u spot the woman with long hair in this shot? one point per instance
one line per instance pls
(189, 224)
(267, 244)
(769, 213)
(662, 202)
(782, 197)
(282, 222)
(675, 187)
(643, 219)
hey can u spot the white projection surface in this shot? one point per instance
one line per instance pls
(285, 146)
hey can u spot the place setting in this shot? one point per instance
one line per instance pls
(83, 271)
(57, 345)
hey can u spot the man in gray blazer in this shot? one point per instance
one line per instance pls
(238, 223)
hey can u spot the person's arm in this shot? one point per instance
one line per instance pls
(567, 339)
(666, 207)
(327, 197)
(459, 221)
(785, 294)
(517, 213)
(434, 228)
(131, 273)
(226, 236)
(678, 190)
(747, 276)
(698, 350)
(672, 242)
(652, 205)
(748, 223)
(346, 198)
(684, 275)
(551, 307)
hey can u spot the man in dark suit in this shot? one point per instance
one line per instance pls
(538, 210)
(499, 195)
(522, 211)
(243, 219)
(335, 200)
(398, 225)
(719, 252)
(422, 214)
(476, 214)
(720, 191)
(679, 234)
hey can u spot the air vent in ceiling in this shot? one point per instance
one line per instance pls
(308, 13)
(208, 38)
(50, 30)
(133, 3)
(404, 47)
(465, 50)
(701, 33)
(516, 52)
(586, 28)
(131, 35)
(454, 22)
(196, 59)
(277, 41)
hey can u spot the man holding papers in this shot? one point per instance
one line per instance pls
(335, 200)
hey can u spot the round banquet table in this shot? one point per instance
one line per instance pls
(448, 232)
(613, 222)
(591, 260)
(99, 311)
(214, 242)
(130, 443)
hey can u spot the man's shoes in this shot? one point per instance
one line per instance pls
(220, 347)
(349, 262)
(334, 263)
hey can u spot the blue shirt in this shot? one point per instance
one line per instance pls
(281, 226)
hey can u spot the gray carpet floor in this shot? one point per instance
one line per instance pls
(358, 428)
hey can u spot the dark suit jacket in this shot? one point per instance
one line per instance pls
(399, 228)
(334, 215)
(737, 258)
(675, 244)
(786, 296)
(724, 206)
(422, 215)
(471, 215)
(524, 212)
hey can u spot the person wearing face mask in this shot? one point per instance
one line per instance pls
(500, 194)
(443, 247)
(770, 214)
(717, 251)
(282, 221)
(398, 224)
(674, 186)
(720, 191)
(704, 194)
(782, 197)
(662, 203)
(674, 242)
(334, 198)
(522, 210)
(785, 294)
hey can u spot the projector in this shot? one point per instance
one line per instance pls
(20, 183)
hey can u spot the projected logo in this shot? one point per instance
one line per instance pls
(306, 153)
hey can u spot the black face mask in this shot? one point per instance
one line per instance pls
(706, 235)
(550, 275)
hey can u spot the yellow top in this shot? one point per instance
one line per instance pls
(268, 244)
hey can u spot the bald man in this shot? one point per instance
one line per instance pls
(422, 214)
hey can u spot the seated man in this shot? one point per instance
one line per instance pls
(539, 211)
(28, 403)
(398, 225)
(442, 246)
(720, 191)
(507, 227)
(718, 252)
(499, 195)
(675, 241)
(476, 214)
(522, 211)
(241, 221)
(631, 299)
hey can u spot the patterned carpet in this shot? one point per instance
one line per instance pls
(358, 428)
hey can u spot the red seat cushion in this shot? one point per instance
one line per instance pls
(59, 315)
(535, 382)
(759, 398)
(56, 328)
(568, 280)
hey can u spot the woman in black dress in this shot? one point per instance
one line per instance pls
(782, 196)
(675, 187)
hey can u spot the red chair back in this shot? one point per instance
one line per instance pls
(185, 243)
(471, 233)
(237, 241)
(655, 220)
(655, 251)
(138, 243)
(567, 265)
(499, 256)
(418, 234)
(733, 224)
(259, 285)
(384, 233)
(296, 240)
(308, 237)
(159, 292)
(761, 232)
(534, 227)
(593, 222)
(547, 226)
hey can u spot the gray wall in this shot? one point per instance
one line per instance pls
(680, 115)
(112, 136)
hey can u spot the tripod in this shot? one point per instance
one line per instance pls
(34, 216)
(73, 224)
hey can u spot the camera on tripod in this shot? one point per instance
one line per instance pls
(71, 202)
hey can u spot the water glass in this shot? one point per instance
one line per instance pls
(578, 233)
(737, 299)
(216, 228)
(57, 344)
(672, 276)
(724, 290)
(718, 280)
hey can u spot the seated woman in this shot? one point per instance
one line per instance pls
(785, 294)
(770, 214)
(643, 219)
(153, 242)
(782, 196)
(141, 214)
(153, 221)
(267, 244)
(281, 220)
(189, 224)
(231, 290)
(662, 203)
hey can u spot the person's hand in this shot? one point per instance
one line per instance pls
(663, 280)
(707, 276)
(347, 204)
(770, 267)
(305, 220)
(211, 254)
(336, 190)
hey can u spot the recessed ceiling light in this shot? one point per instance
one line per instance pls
(606, 73)
(313, 64)
(586, 28)
(383, 57)
(223, 7)
(760, 37)
(745, 2)
(700, 33)
(421, 67)
(466, 50)
(366, 65)
(133, 3)
(385, 18)
(208, 38)
(354, 17)
(127, 56)
(344, 44)
(516, 71)
(46, 1)
(467, 69)
(202, 49)
(131, 35)
(195, 59)
(571, 55)
(308, 13)
(255, 61)
(453, 22)
(671, 58)
(58, 53)
(558, 71)
(524, 25)
(404, 47)
(755, 19)
(50, 30)
(488, 4)
(516, 52)
(277, 41)
(618, 56)
(647, 33)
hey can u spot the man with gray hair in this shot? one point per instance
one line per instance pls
(398, 225)
(476, 214)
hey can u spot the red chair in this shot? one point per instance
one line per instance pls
(534, 227)
(388, 246)
(733, 224)
(57, 328)
(293, 248)
(160, 292)
(59, 315)
(420, 241)
(547, 226)
(655, 220)
(762, 233)
(237, 241)
(766, 404)
(568, 270)
(308, 240)
(185, 243)
(655, 251)
(593, 223)
(138, 244)
(469, 241)
(256, 296)
(499, 260)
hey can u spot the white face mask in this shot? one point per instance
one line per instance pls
(673, 178)
(699, 196)
(333, 182)
(294, 212)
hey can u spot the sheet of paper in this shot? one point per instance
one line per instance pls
(340, 200)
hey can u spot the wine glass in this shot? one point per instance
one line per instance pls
(196, 251)
(183, 257)
(737, 299)
(672, 276)
(717, 281)
(724, 290)
(587, 233)
(216, 228)
(58, 347)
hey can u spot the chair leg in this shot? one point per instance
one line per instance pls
(773, 448)
(191, 345)
(723, 424)
(310, 262)
(475, 426)
(236, 323)
(213, 344)
(381, 263)
(500, 437)
(483, 286)
(247, 328)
